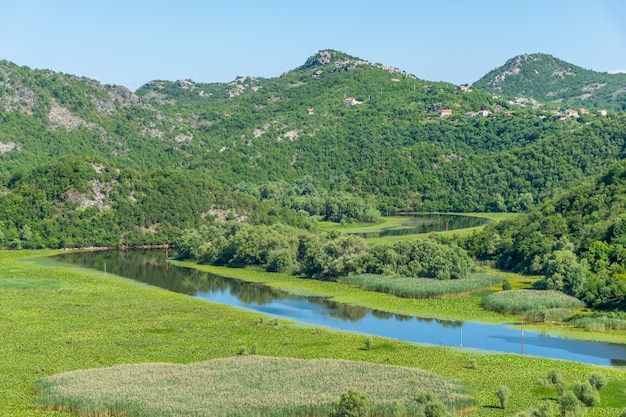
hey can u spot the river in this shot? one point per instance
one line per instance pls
(149, 266)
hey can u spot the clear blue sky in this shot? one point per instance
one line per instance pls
(130, 42)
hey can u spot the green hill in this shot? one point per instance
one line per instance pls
(577, 240)
(336, 135)
(547, 79)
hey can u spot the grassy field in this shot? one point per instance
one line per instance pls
(224, 387)
(59, 319)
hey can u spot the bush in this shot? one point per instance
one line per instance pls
(569, 406)
(555, 377)
(597, 380)
(368, 343)
(436, 409)
(352, 404)
(503, 394)
(587, 394)
(506, 285)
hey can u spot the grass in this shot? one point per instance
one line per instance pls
(517, 302)
(420, 287)
(245, 386)
(90, 320)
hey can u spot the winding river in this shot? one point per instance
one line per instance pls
(150, 266)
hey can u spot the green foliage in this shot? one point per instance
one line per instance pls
(409, 287)
(521, 301)
(503, 393)
(368, 343)
(506, 285)
(570, 406)
(597, 380)
(546, 78)
(586, 393)
(352, 404)
(436, 409)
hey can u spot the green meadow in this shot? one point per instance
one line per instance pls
(56, 319)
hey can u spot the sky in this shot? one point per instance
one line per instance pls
(131, 42)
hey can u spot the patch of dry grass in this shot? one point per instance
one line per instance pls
(244, 386)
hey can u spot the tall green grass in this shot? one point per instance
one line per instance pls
(245, 386)
(407, 287)
(522, 301)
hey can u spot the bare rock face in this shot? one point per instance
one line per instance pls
(123, 94)
(60, 116)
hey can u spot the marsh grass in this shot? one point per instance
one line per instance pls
(599, 323)
(108, 321)
(245, 386)
(420, 287)
(522, 301)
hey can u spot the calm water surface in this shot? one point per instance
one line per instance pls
(149, 266)
(425, 223)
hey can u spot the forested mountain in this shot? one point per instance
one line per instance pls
(338, 137)
(547, 79)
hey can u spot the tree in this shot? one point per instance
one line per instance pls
(503, 394)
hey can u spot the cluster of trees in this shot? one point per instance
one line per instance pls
(284, 248)
(577, 241)
(78, 202)
(307, 198)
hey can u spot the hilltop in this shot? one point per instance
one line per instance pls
(545, 78)
(336, 135)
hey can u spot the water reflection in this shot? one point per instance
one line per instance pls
(426, 223)
(150, 267)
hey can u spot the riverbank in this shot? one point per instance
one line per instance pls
(57, 319)
(467, 307)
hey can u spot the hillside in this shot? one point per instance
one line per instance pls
(337, 123)
(86, 202)
(576, 240)
(547, 79)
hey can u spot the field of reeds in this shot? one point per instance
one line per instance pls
(407, 287)
(246, 386)
(522, 301)
(59, 319)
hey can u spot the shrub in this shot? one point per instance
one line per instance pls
(352, 404)
(597, 380)
(506, 285)
(587, 394)
(503, 394)
(623, 413)
(436, 409)
(555, 377)
(569, 406)
(368, 343)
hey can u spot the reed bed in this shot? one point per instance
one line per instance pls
(407, 287)
(522, 301)
(599, 323)
(244, 386)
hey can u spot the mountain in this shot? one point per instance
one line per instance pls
(336, 124)
(545, 78)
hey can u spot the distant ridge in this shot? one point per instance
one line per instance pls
(545, 78)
